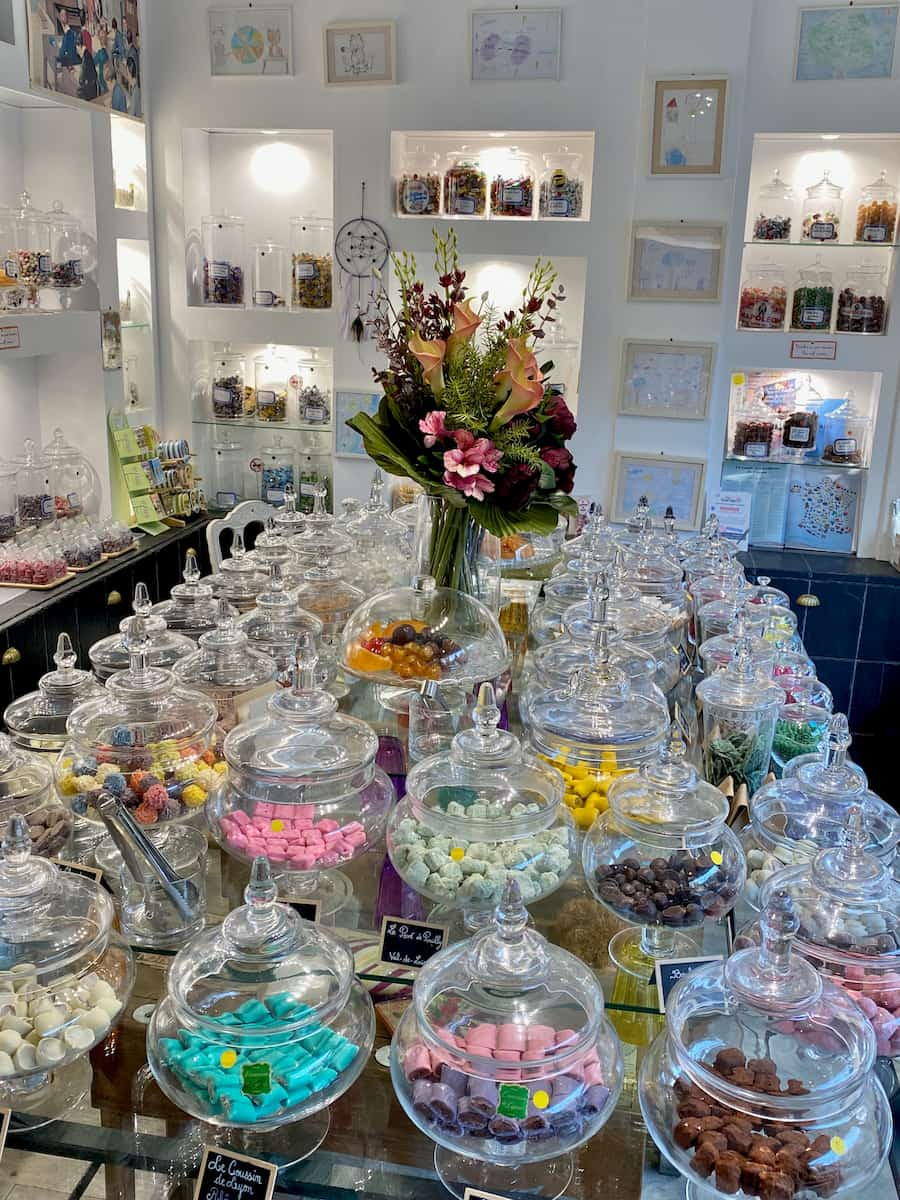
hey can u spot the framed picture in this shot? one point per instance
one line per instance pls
(855, 42)
(360, 52)
(513, 44)
(664, 480)
(81, 55)
(675, 260)
(688, 126)
(666, 379)
(347, 442)
(255, 40)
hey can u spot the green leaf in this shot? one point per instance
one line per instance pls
(390, 458)
(563, 504)
(538, 518)
(547, 481)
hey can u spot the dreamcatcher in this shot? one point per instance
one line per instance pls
(361, 248)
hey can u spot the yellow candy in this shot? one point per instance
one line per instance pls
(220, 768)
(86, 783)
(584, 817)
(584, 787)
(608, 760)
(457, 854)
(68, 786)
(277, 826)
(186, 771)
(598, 802)
(193, 796)
(580, 771)
(228, 1059)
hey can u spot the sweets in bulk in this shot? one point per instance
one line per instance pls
(419, 195)
(876, 214)
(223, 258)
(512, 197)
(465, 190)
(771, 229)
(311, 274)
(753, 438)
(408, 648)
(822, 211)
(858, 313)
(228, 397)
(811, 307)
(799, 431)
(762, 308)
(561, 195)
(291, 834)
(223, 283)
(587, 789)
(772, 223)
(43, 1026)
(680, 890)
(271, 404)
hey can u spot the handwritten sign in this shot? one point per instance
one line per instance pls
(670, 970)
(307, 909)
(804, 348)
(410, 943)
(5, 1114)
(9, 337)
(225, 1175)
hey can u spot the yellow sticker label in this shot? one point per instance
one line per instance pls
(227, 1059)
(277, 826)
(540, 1099)
(838, 1145)
(716, 856)
(738, 379)
(457, 854)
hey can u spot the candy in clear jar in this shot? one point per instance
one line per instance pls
(822, 211)
(223, 260)
(311, 262)
(465, 186)
(512, 189)
(773, 221)
(813, 298)
(561, 186)
(763, 300)
(419, 185)
(228, 386)
(876, 215)
(862, 300)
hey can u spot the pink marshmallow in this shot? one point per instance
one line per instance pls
(240, 817)
(484, 1036)
(307, 811)
(326, 825)
(507, 1056)
(511, 1037)
(284, 812)
(592, 1074)
(264, 809)
(352, 827)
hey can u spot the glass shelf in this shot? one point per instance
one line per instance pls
(775, 245)
(242, 423)
(787, 462)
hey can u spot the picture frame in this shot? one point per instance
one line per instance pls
(841, 54)
(347, 442)
(688, 126)
(664, 480)
(359, 53)
(252, 41)
(681, 370)
(676, 260)
(515, 45)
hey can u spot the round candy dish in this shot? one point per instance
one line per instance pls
(26, 788)
(37, 720)
(663, 857)
(483, 812)
(262, 1027)
(320, 531)
(165, 648)
(762, 1084)
(276, 622)
(303, 789)
(66, 977)
(227, 668)
(505, 1058)
(239, 579)
(146, 740)
(191, 609)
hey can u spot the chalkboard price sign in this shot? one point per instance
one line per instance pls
(670, 970)
(92, 873)
(475, 1194)
(225, 1175)
(410, 943)
(307, 909)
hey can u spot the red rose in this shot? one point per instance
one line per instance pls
(561, 461)
(516, 486)
(560, 420)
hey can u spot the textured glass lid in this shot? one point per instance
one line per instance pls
(166, 646)
(225, 656)
(193, 588)
(508, 974)
(22, 775)
(762, 592)
(832, 776)
(825, 189)
(239, 562)
(323, 585)
(776, 188)
(669, 791)
(287, 519)
(271, 545)
(66, 681)
(320, 529)
(740, 684)
(373, 522)
(264, 945)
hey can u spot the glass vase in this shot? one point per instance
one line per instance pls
(456, 551)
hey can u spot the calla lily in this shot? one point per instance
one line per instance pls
(430, 356)
(465, 322)
(523, 394)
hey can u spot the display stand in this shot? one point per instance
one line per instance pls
(135, 452)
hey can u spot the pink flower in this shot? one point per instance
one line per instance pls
(475, 486)
(470, 456)
(519, 388)
(433, 426)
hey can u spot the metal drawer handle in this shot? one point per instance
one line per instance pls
(11, 657)
(808, 600)
(113, 599)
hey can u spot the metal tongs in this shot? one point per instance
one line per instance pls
(138, 852)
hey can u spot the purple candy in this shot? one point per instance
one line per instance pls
(536, 1127)
(563, 1087)
(594, 1099)
(483, 1095)
(443, 1102)
(422, 1099)
(470, 1117)
(504, 1129)
(455, 1079)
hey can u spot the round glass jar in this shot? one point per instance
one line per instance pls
(320, 531)
(512, 188)
(775, 202)
(146, 740)
(822, 211)
(270, 547)
(876, 213)
(801, 728)
(419, 185)
(763, 299)
(326, 594)
(762, 592)
(77, 488)
(288, 521)
(37, 720)
(228, 387)
(191, 609)
(379, 556)
(312, 241)
(269, 275)
(862, 300)
(847, 435)
(26, 788)
(812, 303)
(303, 789)
(771, 622)
(112, 654)
(663, 858)
(263, 1023)
(547, 621)
(485, 811)
(717, 652)
(717, 617)
(240, 578)
(276, 622)
(35, 267)
(66, 241)
(35, 488)
(562, 185)
(465, 186)
(505, 1058)
(223, 260)
(66, 977)
(738, 710)
(783, 1058)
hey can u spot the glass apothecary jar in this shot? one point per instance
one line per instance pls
(229, 386)
(801, 728)
(223, 260)
(562, 185)
(772, 622)
(419, 185)
(67, 973)
(323, 592)
(717, 652)
(380, 557)
(37, 720)
(35, 488)
(785, 1057)
(799, 431)
(512, 188)
(288, 521)
(763, 300)
(191, 608)
(465, 186)
(485, 811)
(147, 740)
(303, 789)
(279, 468)
(12, 293)
(66, 242)
(848, 906)
(663, 859)
(505, 1058)
(271, 373)
(813, 298)
(847, 435)
(229, 460)
(240, 578)
(272, 1004)
(876, 213)
(26, 788)
(862, 300)
(269, 275)
(35, 264)
(775, 201)
(276, 622)
(77, 488)
(763, 592)
(166, 647)
(312, 239)
(561, 593)
(8, 506)
(738, 710)
(822, 211)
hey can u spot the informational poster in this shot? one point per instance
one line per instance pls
(733, 510)
(767, 485)
(822, 509)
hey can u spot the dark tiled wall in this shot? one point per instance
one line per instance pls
(854, 637)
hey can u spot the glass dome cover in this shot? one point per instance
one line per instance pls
(112, 654)
(240, 577)
(191, 609)
(271, 546)
(26, 788)
(324, 592)
(276, 622)
(320, 531)
(37, 720)
(225, 665)
(288, 521)
(77, 484)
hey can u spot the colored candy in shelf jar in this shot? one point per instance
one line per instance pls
(773, 224)
(876, 214)
(512, 196)
(822, 211)
(587, 789)
(561, 194)
(753, 438)
(762, 307)
(223, 256)
(223, 283)
(419, 195)
(465, 188)
(290, 834)
(311, 262)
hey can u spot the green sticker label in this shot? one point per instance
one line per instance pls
(256, 1079)
(513, 1101)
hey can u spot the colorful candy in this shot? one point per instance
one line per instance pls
(419, 195)
(512, 197)
(465, 191)
(762, 308)
(288, 834)
(811, 307)
(223, 283)
(311, 275)
(858, 313)
(771, 229)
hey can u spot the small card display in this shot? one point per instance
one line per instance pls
(307, 909)
(410, 943)
(669, 970)
(225, 1175)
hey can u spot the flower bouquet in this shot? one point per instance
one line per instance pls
(467, 412)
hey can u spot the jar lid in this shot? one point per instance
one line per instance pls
(166, 647)
(832, 776)
(23, 776)
(225, 657)
(28, 211)
(320, 531)
(324, 590)
(287, 519)
(58, 450)
(510, 980)
(762, 592)
(879, 189)
(304, 967)
(373, 522)
(776, 188)
(826, 188)
(806, 690)
(271, 545)
(193, 587)
(557, 660)
(740, 684)
(239, 562)
(816, 272)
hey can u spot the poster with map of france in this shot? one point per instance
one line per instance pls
(846, 43)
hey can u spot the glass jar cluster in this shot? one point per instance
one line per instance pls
(299, 277)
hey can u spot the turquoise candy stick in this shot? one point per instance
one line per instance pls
(344, 1056)
(322, 1079)
(253, 1012)
(240, 1110)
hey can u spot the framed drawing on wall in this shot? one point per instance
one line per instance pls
(666, 379)
(347, 442)
(515, 44)
(251, 41)
(676, 260)
(665, 480)
(688, 126)
(359, 52)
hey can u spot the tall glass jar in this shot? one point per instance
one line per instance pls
(848, 434)
(862, 301)
(191, 608)
(12, 293)
(229, 385)
(876, 213)
(775, 202)
(822, 211)
(228, 475)
(279, 468)
(35, 264)
(465, 186)
(512, 188)
(419, 185)
(224, 268)
(312, 241)
(65, 248)
(35, 488)
(562, 185)
(276, 622)
(271, 372)
(269, 275)
(763, 302)
(77, 490)
(813, 298)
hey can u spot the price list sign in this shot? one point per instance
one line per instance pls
(225, 1175)
(410, 943)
